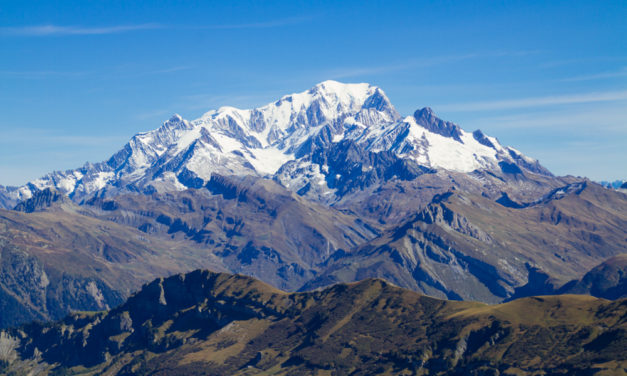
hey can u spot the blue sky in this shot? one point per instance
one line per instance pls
(79, 78)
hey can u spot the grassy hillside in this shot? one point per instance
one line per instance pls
(205, 323)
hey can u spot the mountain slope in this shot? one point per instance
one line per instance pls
(608, 280)
(255, 226)
(396, 199)
(57, 256)
(464, 246)
(205, 323)
(56, 261)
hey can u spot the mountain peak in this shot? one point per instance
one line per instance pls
(336, 86)
(427, 118)
(351, 95)
(175, 118)
(427, 112)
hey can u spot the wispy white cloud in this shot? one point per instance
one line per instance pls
(63, 30)
(608, 118)
(40, 136)
(608, 96)
(170, 70)
(421, 63)
(44, 74)
(84, 140)
(195, 103)
(57, 30)
(154, 114)
(41, 74)
(208, 102)
(597, 161)
(366, 71)
(580, 60)
(581, 140)
(598, 76)
(260, 25)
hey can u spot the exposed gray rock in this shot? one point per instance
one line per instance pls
(426, 117)
(41, 200)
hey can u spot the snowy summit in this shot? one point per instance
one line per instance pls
(277, 140)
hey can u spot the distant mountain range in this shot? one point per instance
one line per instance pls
(616, 184)
(325, 186)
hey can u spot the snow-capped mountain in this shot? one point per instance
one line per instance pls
(284, 140)
(330, 185)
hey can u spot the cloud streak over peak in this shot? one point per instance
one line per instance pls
(608, 96)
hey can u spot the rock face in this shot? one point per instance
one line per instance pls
(342, 168)
(41, 200)
(28, 293)
(607, 280)
(7, 197)
(426, 118)
(209, 323)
